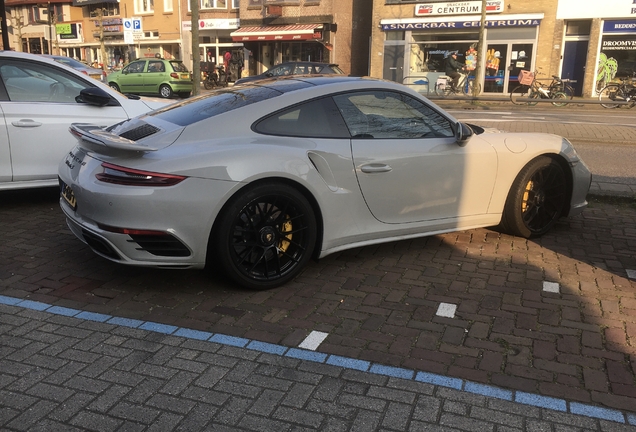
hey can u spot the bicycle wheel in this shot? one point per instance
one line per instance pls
(443, 90)
(522, 91)
(534, 94)
(561, 97)
(609, 93)
(471, 88)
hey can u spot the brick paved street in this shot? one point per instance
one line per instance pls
(379, 303)
(64, 373)
(552, 317)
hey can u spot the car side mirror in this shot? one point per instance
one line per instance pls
(464, 132)
(269, 74)
(94, 96)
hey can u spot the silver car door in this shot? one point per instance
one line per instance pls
(408, 163)
(40, 109)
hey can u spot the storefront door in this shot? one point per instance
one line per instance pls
(393, 63)
(574, 58)
(520, 59)
(503, 63)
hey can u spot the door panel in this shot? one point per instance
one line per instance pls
(408, 163)
(39, 136)
(393, 63)
(574, 59)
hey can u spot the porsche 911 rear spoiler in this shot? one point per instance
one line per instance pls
(96, 138)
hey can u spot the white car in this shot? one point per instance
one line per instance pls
(39, 99)
(259, 178)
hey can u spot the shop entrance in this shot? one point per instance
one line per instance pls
(503, 64)
(574, 58)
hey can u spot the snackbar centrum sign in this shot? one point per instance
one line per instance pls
(458, 8)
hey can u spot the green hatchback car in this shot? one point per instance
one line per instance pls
(153, 76)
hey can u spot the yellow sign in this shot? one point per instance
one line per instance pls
(63, 29)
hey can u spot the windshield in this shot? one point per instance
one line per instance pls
(178, 66)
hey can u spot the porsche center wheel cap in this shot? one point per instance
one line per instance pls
(268, 236)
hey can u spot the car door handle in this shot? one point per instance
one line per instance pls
(375, 168)
(27, 123)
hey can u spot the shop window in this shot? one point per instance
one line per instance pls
(578, 28)
(395, 35)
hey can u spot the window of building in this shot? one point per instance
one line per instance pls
(167, 5)
(578, 28)
(213, 4)
(108, 9)
(236, 4)
(144, 6)
(151, 34)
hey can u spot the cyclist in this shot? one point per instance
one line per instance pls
(453, 66)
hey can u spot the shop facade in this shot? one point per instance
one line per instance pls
(604, 41)
(329, 31)
(413, 47)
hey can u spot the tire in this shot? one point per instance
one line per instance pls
(442, 90)
(469, 89)
(610, 92)
(561, 97)
(165, 91)
(114, 86)
(265, 236)
(522, 91)
(534, 94)
(536, 199)
(209, 85)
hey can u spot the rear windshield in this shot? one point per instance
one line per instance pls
(178, 66)
(199, 108)
(219, 101)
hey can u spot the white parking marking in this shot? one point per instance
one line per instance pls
(446, 310)
(631, 274)
(313, 341)
(552, 287)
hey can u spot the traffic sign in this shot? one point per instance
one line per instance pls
(136, 25)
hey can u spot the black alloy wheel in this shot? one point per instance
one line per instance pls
(537, 199)
(265, 236)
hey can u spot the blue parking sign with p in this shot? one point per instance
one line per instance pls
(136, 22)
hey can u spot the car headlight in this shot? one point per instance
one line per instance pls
(569, 152)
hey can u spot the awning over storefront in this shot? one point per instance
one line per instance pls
(278, 33)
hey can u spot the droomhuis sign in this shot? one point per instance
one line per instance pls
(457, 8)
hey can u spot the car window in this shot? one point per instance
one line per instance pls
(178, 66)
(34, 82)
(386, 115)
(135, 67)
(156, 66)
(217, 102)
(318, 118)
(281, 70)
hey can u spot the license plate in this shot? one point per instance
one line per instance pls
(185, 76)
(67, 194)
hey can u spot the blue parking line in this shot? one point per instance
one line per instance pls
(335, 360)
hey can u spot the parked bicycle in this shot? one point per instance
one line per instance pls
(623, 92)
(215, 78)
(531, 88)
(465, 86)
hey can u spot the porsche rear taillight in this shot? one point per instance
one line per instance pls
(132, 177)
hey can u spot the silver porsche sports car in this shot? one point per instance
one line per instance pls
(260, 178)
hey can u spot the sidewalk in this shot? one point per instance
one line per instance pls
(68, 370)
